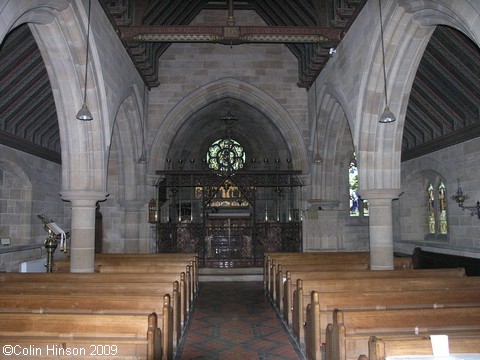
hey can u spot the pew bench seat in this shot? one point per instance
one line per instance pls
(292, 276)
(136, 336)
(318, 308)
(169, 319)
(376, 284)
(347, 337)
(380, 348)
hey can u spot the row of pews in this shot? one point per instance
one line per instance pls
(134, 306)
(333, 304)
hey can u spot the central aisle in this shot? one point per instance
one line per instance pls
(234, 320)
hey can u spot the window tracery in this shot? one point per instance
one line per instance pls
(225, 155)
(437, 224)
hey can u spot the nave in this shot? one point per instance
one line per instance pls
(234, 320)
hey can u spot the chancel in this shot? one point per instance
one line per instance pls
(240, 165)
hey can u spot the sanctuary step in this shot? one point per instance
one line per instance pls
(230, 274)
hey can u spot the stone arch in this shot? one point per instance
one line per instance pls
(334, 134)
(59, 28)
(407, 30)
(461, 15)
(237, 89)
(126, 146)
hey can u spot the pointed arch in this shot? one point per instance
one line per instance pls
(236, 89)
(59, 30)
(126, 145)
(407, 30)
(335, 145)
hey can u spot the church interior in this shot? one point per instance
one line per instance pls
(203, 143)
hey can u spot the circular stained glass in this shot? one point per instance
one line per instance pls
(225, 155)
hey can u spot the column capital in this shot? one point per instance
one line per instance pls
(84, 197)
(132, 205)
(371, 194)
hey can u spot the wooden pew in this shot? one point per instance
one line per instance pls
(188, 259)
(119, 289)
(191, 280)
(106, 263)
(179, 256)
(183, 289)
(319, 311)
(299, 305)
(84, 335)
(380, 348)
(293, 275)
(348, 335)
(316, 266)
(304, 259)
(377, 284)
(297, 258)
(102, 304)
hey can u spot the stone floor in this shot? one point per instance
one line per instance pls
(234, 320)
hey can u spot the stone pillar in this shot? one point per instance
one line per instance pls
(380, 225)
(132, 225)
(82, 233)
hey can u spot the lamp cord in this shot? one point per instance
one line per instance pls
(86, 58)
(316, 118)
(383, 54)
(143, 120)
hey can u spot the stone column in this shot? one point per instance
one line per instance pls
(132, 225)
(380, 225)
(82, 233)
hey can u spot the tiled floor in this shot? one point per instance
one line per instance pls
(234, 321)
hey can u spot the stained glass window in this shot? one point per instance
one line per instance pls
(442, 210)
(358, 206)
(225, 155)
(437, 210)
(431, 209)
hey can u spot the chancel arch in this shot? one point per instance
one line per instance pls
(229, 213)
(237, 90)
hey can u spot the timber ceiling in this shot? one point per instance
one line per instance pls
(443, 110)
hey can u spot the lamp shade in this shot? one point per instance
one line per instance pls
(387, 116)
(84, 114)
(142, 159)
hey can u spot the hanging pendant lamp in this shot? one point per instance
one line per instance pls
(143, 158)
(387, 116)
(317, 159)
(84, 113)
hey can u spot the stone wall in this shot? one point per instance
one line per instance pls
(28, 186)
(186, 67)
(456, 165)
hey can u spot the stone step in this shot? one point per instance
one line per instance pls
(230, 274)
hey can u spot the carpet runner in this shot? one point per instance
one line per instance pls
(234, 320)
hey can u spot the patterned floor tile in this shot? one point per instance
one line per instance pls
(235, 321)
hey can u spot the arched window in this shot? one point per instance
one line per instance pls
(358, 206)
(442, 210)
(431, 209)
(436, 211)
